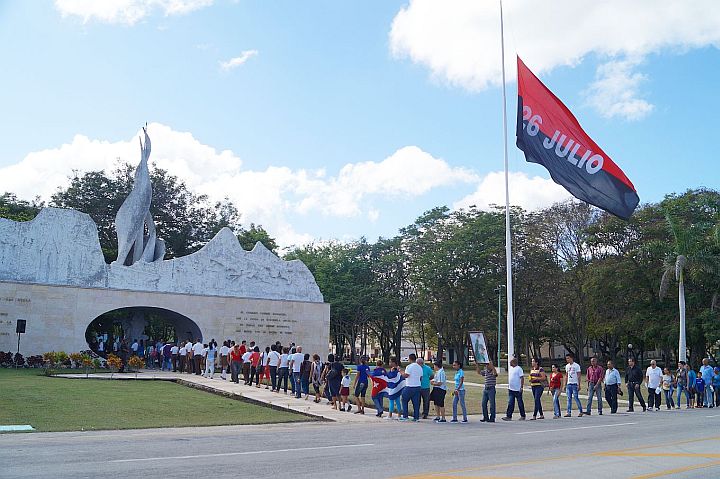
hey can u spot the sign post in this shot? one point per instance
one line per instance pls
(19, 329)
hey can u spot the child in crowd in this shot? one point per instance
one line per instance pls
(692, 376)
(345, 390)
(699, 390)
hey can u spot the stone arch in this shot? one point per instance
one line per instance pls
(131, 322)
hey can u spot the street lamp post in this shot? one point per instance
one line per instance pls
(498, 290)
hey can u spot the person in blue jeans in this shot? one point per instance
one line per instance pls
(573, 376)
(681, 382)
(490, 374)
(411, 392)
(459, 392)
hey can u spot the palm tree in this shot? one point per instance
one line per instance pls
(688, 254)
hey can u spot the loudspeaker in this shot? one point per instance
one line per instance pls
(20, 328)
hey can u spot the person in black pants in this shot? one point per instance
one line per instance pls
(633, 379)
(612, 386)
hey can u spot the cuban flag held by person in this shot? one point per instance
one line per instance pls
(388, 385)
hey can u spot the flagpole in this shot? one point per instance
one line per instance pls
(508, 236)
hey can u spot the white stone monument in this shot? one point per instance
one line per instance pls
(53, 275)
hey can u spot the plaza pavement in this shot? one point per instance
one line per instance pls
(678, 444)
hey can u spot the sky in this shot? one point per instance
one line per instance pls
(334, 120)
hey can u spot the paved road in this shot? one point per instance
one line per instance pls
(659, 444)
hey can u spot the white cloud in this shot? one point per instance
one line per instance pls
(615, 91)
(459, 41)
(126, 12)
(531, 193)
(277, 197)
(237, 61)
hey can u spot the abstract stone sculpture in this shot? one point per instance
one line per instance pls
(137, 238)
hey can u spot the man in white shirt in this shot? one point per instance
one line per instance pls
(134, 347)
(296, 361)
(572, 384)
(224, 351)
(246, 365)
(516, 381)
(411, 392)
(274, 363)
(653, 378)
(198, 349)
(174, 355)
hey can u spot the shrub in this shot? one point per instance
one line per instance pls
(114, 363)
(35, 361)
(19, 360)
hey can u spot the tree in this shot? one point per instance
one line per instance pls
(18, 210)
(249, 237)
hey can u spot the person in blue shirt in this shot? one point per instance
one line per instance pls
(361, 384)
(700, 390)
(459, 393)
(692, 387)
(706, 372)
(716, 385)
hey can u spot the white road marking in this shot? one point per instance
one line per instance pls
(716, 415)
(243, 453)
(579, 427)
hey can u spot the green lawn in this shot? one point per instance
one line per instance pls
(57, 404)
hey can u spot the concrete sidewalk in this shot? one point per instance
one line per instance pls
(526, 389)
(261, 395)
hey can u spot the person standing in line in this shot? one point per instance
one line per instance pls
(573, 376)
(653, 378)
(182, 353)
(439, 390)
(167, 356)
(681, 383)
(378, 387)
(667, 384)
(334, 380)
(305, 371)
(411, 392)
(255, 366)
(361, 384)
(555, 383)
(243, 347)
(700, 387)
(315, 377)
(692, 385)
(135, 346)
(224, 359)
(274, 364)
(706, 371)
(284, 370)
(716, 385)
(425, 387)
(633, 379)
(537, 384)
(210, 360)
(395, 403)
(345, 390)
(490, 374)
(459, 392)
(190, 364)
(174, 356)
(612, 386)
(246, 365)
(516, 382)
(198, 348)
(235, 364)
(296, 362)
(595, 375)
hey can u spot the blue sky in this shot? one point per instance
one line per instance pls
(338, 103)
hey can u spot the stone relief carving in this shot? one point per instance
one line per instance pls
(61, 247)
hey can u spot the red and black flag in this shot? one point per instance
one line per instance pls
(550, 135)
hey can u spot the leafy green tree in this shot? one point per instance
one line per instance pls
(12, 208)
(249, 237)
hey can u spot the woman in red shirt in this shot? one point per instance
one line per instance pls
(555, 384)
(235, 364)
(255, 367)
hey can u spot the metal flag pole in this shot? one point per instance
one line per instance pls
(508, 236)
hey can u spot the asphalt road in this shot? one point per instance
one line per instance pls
(641, 445)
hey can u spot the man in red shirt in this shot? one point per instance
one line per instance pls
(235, 363)
(595, 376)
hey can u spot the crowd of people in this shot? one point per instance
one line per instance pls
(289, 370)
